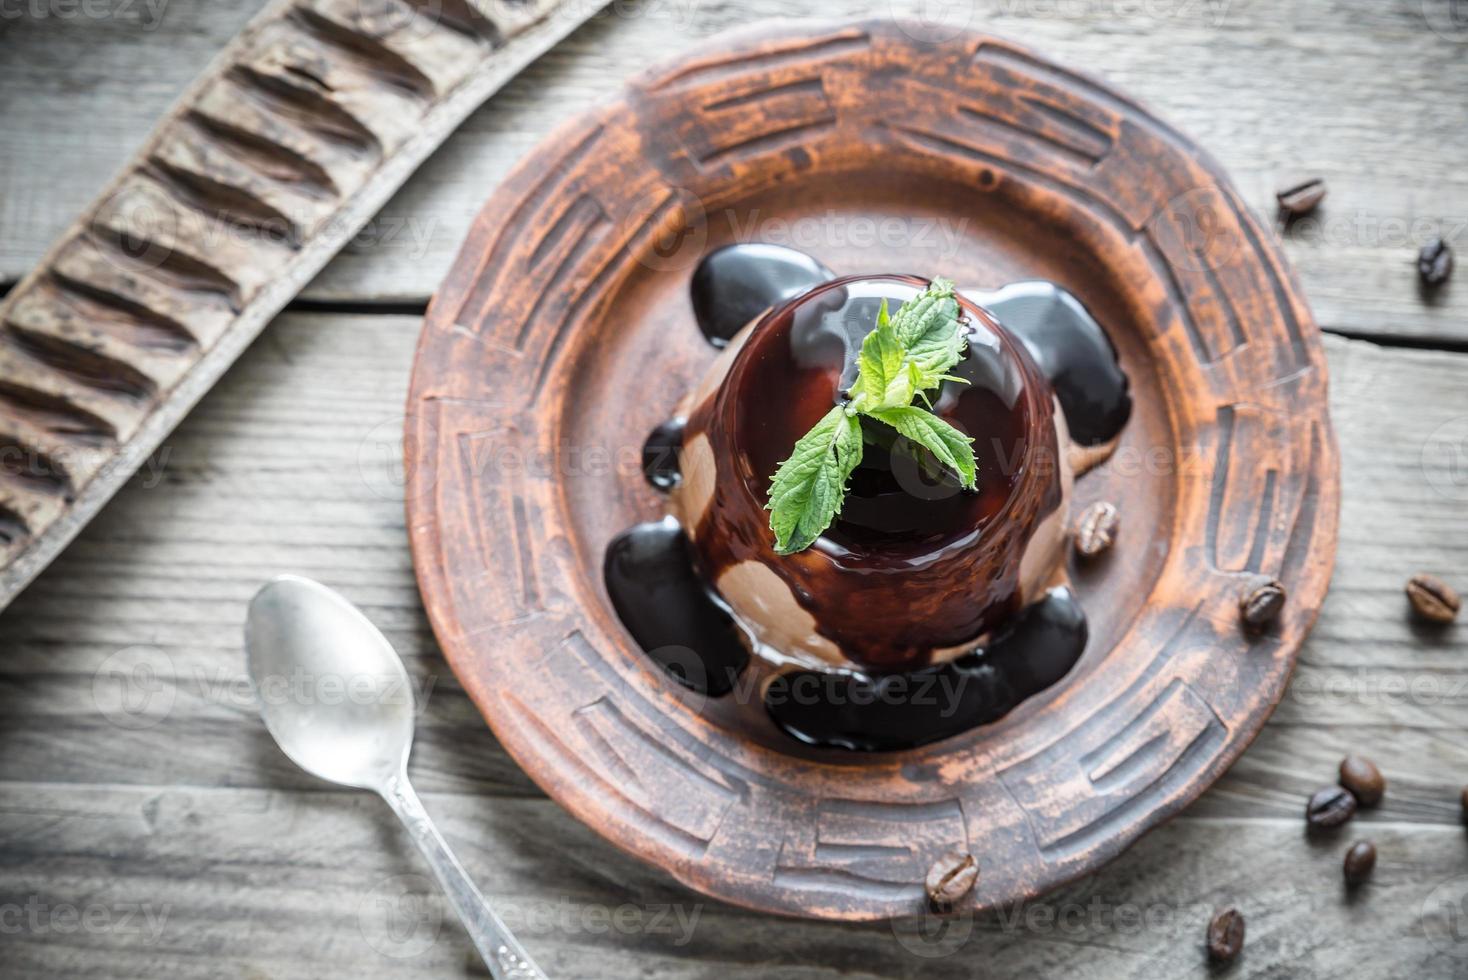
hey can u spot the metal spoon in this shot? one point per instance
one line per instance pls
(360, 736)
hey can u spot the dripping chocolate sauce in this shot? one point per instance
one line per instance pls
(887, 712)
(898, 510)
(660, 454)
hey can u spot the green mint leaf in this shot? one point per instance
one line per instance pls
(883, 376)
(949, 446)
(929, 330)
(808, 488)
(907, 354)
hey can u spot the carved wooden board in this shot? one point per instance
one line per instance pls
(564, 334)
(273, 160)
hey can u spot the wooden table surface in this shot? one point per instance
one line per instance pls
(150, 828)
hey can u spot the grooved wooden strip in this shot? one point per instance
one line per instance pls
(133, 278)
(269, 163)
(67, 387)
(61, 302)
(418, 54)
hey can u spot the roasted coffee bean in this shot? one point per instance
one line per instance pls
(1096, 529)
(1433, 599)
(1302, 198)
(1435, 262)
(1226, 936)
(1360, 859)
(1261, 605)
(1360, 775)
(1330, 807)
(950, 879)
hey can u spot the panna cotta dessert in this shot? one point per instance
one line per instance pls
(869, 500)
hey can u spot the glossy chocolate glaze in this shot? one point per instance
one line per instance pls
(909, 548)
(657, 591)
(1073, 352)
(736, 283)
(660, 454)
(911, 564)
(1036, 648)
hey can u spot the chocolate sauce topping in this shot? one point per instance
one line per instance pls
(1072, 350)
(912, 564)
(661, 599)
(900, 711)
(736, 283)
(660, 454)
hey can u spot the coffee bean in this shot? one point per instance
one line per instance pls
(1433, 599)
(1330, 807)
(1360, 859)
(1261, 605)
(1360, 775)
(951, 878)
(1226, 936)
(1435, 262)
(1302, 198)
(1096, 529)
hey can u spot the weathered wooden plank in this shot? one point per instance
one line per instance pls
(183, 802)
(1351, 90)
(258, 883)
(291, 464)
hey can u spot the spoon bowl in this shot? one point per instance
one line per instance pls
(333, 692)
(335, 696)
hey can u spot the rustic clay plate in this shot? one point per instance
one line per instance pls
(564, 334)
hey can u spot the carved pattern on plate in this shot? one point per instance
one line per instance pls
(1070, 782)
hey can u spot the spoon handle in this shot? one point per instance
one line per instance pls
(504, 956)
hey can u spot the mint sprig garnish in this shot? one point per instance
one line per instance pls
(807, 491)
(902, 358)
